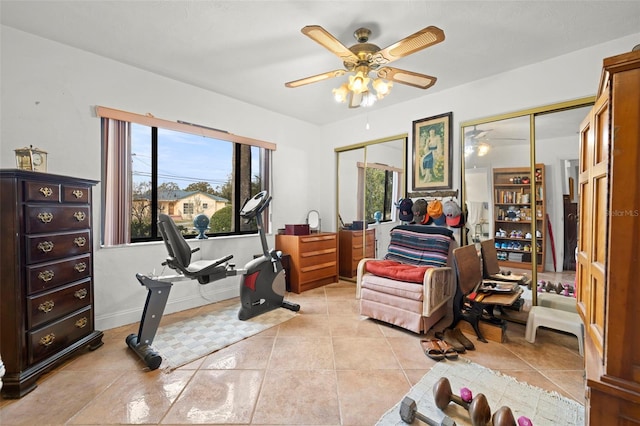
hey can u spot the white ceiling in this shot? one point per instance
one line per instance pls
(247, 50)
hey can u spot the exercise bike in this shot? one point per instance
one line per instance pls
(263, 283)
(262, 286)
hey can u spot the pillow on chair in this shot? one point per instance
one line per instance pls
(397, 271)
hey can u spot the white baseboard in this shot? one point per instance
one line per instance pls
(202, 298)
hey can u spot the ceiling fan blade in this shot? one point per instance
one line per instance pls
(325, 39)
(355, 99)
(315, 78)
(415, 42)
(410, 78)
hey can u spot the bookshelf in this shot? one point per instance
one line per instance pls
(514, 209)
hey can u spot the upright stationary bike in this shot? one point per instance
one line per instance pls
(263, 283)
(262, 286)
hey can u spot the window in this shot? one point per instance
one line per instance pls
(184, 174)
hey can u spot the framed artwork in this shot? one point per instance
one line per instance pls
(432, 153)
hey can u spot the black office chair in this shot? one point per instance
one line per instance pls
(180, 252)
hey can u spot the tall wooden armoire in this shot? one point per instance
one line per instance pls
(608, 269)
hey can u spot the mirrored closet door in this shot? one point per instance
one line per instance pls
(518, 185)
(370, 179)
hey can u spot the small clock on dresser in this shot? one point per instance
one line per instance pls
(31, 159)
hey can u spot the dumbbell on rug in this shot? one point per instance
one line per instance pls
(478, 408)
(504, 417)
(409, 412)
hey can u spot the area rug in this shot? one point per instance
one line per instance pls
(188, 340)
(542, 407)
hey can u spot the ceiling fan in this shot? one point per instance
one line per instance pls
(476, 134)
(364, 58)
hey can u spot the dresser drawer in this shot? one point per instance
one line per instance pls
(319, 242)
(46, 341)
(40, 191)
(52, 218)
(55, 304)
(44, 248)
(317, 272)
(76, 194)
(46, 276)
(311, 258)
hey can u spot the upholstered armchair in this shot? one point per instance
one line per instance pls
(412, 286)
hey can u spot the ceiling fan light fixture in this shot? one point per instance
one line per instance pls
(340, 94)
(483, 149)
(358, 83)
(382, 87)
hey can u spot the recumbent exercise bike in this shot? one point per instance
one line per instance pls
(262, 286)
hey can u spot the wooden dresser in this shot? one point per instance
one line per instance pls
(355, 245)
(46, 285)
(314, 259)
(608, 293)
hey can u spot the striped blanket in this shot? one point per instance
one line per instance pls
(421, 245)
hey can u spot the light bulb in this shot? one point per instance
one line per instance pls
(358, 83)
(483, 149)
(382, 87)
(340, 94)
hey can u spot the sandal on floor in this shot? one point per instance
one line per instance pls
(449, 337)
(432, 349)
(468, 344)
(448, 350)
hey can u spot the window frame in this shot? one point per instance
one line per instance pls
(266, 152)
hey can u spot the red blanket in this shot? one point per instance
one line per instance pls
(397, 271)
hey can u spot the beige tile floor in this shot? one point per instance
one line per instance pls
(327, 366)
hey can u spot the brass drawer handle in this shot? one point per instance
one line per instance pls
(45, 246)
(48, 339)
(45, 217)
(80, 267)
(80, 294)
(78, 193)
(80, 241)
(46, 306)
(82, 322)
(46, 276)
(46, 191)
(79, 216)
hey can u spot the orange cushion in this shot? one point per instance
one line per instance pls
(397, 271)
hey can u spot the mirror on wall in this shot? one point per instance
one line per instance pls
(519, 174)
(370, 180)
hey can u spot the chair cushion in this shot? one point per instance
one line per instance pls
(419, 245)
(397, 271)
(403, 289)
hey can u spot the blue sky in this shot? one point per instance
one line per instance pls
(183, 158)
